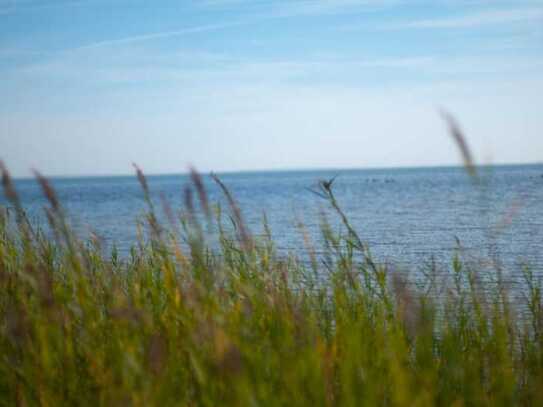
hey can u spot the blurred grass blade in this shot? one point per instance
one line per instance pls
(461, 142)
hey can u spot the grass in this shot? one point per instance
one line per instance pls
(186, 321)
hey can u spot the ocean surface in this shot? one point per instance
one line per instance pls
(407, 216)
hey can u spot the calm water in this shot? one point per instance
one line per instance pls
(407, 215)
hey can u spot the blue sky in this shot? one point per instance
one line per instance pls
(90, 86)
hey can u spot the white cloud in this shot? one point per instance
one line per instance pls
(257, 11)
(490, 17)
(193, 69)
(159, 35)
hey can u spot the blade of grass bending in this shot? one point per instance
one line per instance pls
(242, 230)
(460, 140)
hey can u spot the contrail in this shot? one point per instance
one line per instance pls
(164, 34)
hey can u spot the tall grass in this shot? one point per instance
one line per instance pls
(185, 321)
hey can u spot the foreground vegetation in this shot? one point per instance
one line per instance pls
(203, 313)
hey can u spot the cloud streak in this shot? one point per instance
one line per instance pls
(491, 17)
(294, 8)
(159, 35)
(275, 11)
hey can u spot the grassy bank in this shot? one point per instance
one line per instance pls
(185, 321)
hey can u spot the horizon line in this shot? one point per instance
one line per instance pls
(278, 170)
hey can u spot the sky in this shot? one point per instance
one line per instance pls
(87, 87)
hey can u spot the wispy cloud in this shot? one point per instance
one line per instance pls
(160, 35)
(326, 6)
(279, 9)
(258, 11)
(489, 17)
(199, 70)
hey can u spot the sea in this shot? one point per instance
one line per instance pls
(407, 216)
